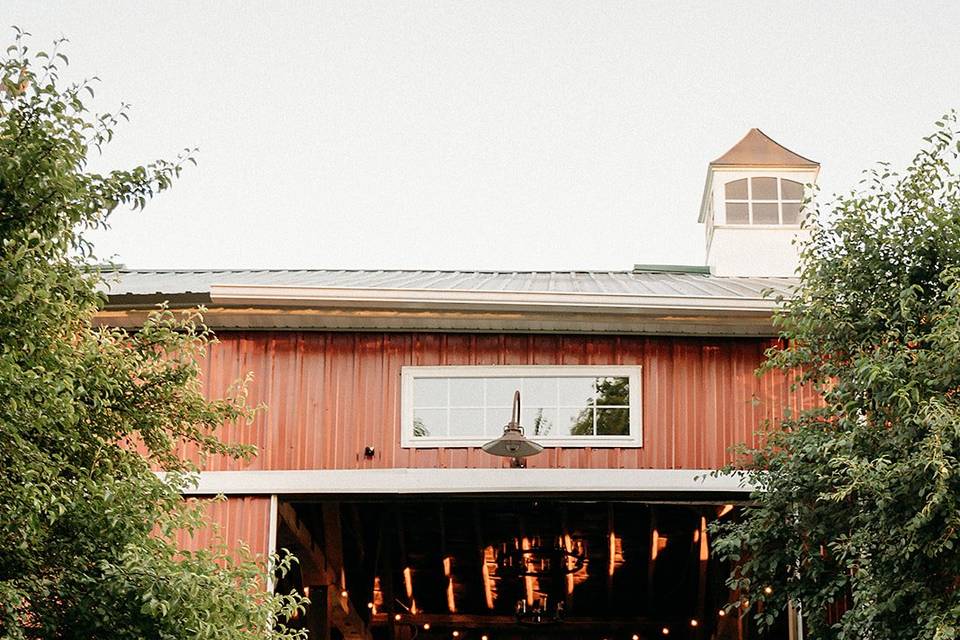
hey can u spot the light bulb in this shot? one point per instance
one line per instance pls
(426, 626)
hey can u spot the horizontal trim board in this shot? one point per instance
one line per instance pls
(462, 481)
(457, 298)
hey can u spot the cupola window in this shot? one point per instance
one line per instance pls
(763, 201)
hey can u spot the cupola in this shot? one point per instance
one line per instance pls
(752, 208)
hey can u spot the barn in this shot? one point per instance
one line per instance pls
(504, 455)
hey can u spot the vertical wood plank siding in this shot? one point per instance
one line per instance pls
(331, 394)
(235, 521)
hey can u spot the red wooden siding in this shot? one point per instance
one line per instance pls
(331, 394)
(236, 521)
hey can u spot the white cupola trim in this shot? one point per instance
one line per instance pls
(751, 207)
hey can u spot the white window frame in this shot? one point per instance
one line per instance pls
(750, 201)
(410, 373)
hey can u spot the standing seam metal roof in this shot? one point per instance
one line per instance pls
(152, 282)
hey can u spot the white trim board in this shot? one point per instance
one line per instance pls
(395, 298)
(464, 481)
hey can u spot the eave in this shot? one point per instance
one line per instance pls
(383, 309)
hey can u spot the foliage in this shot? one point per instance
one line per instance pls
(85, 525)
(858, 500)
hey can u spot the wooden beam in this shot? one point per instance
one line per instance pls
(489, 621)
(447, 563)
(482, 553)
(342, 614)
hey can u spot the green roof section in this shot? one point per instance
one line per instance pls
(671, 268)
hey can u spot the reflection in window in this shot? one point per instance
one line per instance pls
(572, 407)
(763, 200)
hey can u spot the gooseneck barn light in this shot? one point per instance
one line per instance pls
(513, 444)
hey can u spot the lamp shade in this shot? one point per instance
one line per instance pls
(512, 444)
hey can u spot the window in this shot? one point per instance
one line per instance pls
(568, 406)
(763, 200)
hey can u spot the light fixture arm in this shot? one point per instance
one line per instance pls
(516, 410)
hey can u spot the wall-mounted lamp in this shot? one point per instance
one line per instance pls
(513, 444)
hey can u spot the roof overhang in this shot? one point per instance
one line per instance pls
(338, 308)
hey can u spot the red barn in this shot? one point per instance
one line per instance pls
(383, 386)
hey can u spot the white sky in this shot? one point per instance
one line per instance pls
(526, 135)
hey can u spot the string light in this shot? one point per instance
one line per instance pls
(397, 617)
(768, 590)
(665, 631)
(484, 637)
(369, 605)
(456, 634)
(426, 626)
(634, 637)
(694, 622)
(722, 612)
(344, 594)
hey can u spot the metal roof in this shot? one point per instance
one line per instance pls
(757, 149)
(197, 284)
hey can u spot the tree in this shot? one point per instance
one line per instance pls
(858, 499)
(85, 525)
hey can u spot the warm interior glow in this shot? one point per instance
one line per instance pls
(448, 572)
(568, 546)
(727, 508)
(612, 555)
(488, 557)
(527, 580)
(657, 544)
(704, 545)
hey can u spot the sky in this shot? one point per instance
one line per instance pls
(482, 135)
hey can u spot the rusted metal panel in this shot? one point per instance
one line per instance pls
(329, 395)
(235, 521)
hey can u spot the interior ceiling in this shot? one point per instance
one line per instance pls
(614, 568)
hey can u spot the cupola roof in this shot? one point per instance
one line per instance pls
(757, 149)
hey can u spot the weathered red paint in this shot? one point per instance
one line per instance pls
(330, 394)
(234, 522)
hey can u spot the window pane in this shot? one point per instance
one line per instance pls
(429, 422)
(736, 190)
(765, 213)
(575, 422)
(613, 422)
(613, 391)
(540, 392)
(737, 213)
(430, 392)
(764, 189)
(466, 392)
(496, 419)
(500, 391)
(577, 392)
(466, 422)
(791, 190)
(539, 421)
(791, 212)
